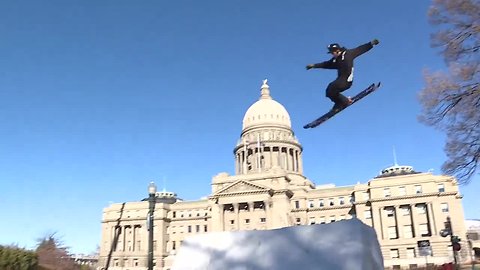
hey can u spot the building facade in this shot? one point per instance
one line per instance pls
(269, 191)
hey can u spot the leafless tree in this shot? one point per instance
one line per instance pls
(53, 255)
(451, 98)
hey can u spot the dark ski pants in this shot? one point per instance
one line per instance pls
(335, 88)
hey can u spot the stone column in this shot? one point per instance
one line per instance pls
(377, 223)
(236, 210)
(431, 220)
(300, 162)
(414, 226)
(398, 222)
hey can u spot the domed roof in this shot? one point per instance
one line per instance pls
(266, 111)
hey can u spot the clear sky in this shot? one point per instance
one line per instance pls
(98, 98)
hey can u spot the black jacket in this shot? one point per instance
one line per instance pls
(344, 62)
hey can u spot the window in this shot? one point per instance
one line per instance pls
(174, 246)
(331, 202)
(205, 227)
(405, 210)
(322, 204)
(444, 207)
(392, 232)
(232, 221)
(421, 208)
(341, 201)
(367, 214)
(418, 189)
(297, 204)
(390, 211)
(135, 262)
(189, 228)
(394, 254)
(332, 219)
(407, 231)
(410, 253)
(424, 230)
(311, 204)
(386, 192)
(174, 214)
(441, 187)
(247, 221)
(342, 217)
(298, 220)
(351, 199)
(197, 228)
(402, 191)
(322, 220)
(312, 220)
(263, 220)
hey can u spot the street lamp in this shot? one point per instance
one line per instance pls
(152, 190)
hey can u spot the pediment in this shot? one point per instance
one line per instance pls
(242, 186)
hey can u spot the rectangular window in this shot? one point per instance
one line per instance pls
(386, 192)
(394, 254)
(197, 228)
(390, 211)
(407, 231)
(444, 207)
(312, 220)
(392, 232)
(421, 208)
(341, 200)
(297, 204)
(411, 253)
(331, 202)
(174, 214)
(332, 219)
(189, 228)
(342, 217)
(205, 227)
(174, 246)
(322, 220)
(232, 221)
(441, 187)
(367, 214)
(263, 220)
(247, 221)
(311, 204)
(405, 210)
(418, 189)
(298, 220)
(402, 191)
(424, 230)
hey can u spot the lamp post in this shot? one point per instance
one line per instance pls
(152, 190)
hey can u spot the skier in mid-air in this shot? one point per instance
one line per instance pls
(342, 61)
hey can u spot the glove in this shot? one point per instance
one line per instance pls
(375, 42)
(309, 66)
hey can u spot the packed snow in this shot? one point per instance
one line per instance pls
(342, 245)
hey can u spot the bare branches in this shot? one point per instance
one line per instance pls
(451, 100)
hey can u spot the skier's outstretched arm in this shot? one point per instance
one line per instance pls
(364, 48)
(326, 64)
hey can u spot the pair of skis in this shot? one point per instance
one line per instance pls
(331, 113)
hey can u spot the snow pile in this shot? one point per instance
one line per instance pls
(342, 245)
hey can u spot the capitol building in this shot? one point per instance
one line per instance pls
(269, 190)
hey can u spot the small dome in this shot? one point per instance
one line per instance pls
(396, 170)
(266, 111)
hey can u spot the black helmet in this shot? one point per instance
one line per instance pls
(334, 47)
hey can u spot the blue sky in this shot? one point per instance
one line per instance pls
(98, 98)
